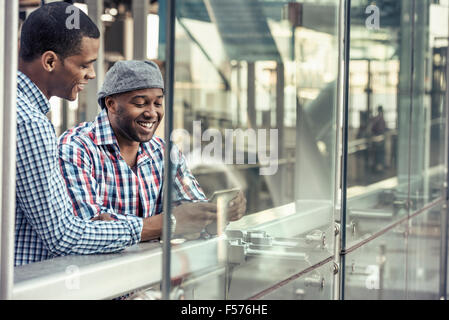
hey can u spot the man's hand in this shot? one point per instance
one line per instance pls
(235, 210)
(103, 217)
(237, 207)
(192, 217)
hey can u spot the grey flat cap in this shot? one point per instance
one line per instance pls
(130, 75)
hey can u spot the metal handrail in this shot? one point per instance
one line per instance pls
(104, 276)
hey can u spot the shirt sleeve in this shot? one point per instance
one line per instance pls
(42, 196)
(185, 186)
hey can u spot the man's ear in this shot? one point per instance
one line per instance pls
(49, 60)
(110, 104)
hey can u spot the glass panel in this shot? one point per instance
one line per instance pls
(428, 109)
(379, 113)
(423, 255)
(255, 109)
(377, 270)
(314, 285)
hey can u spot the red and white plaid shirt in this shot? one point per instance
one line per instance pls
(100, 181)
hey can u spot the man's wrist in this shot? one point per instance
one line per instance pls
(152, 227)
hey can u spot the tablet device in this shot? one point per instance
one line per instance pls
(227, 194)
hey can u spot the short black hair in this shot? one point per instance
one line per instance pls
(45, 30)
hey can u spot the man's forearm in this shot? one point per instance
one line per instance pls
(152, 227)
(43, 201)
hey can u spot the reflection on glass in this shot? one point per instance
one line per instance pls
(396, 124)
(377, 270)
(427, 143)
(423, 255)
(378, 126)
(255, 109)
(403, 263)
(314, 285)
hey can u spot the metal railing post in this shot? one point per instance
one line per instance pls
(338, 161)
(444, 211)
(8, 174)
(2, 81)
(140, 31)
(344, 139)
(168, 181)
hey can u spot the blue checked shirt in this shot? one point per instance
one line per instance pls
(46, 225)
(100, 181)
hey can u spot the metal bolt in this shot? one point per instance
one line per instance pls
(335, 268)
(336, 229)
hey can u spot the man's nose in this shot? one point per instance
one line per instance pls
(150, 112)
(91, 73)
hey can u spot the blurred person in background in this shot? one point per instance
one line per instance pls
(378, 128)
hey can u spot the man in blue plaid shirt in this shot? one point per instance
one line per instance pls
(55, 61)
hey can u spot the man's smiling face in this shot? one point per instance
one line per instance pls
(72, 73)
(135, 115)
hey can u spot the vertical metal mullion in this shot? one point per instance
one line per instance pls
(140, 13)
(2, 81)
(338, 154)
(344, 155)
(168, 181)
(411, 93)
(251, 94)
(11, 19)
(445, 224)
(280, 111)
(446, 154)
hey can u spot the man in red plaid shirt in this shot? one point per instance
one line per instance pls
(115, 164)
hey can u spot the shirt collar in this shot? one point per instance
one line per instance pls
(148, 149)
(104, 135)
(32, 92)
